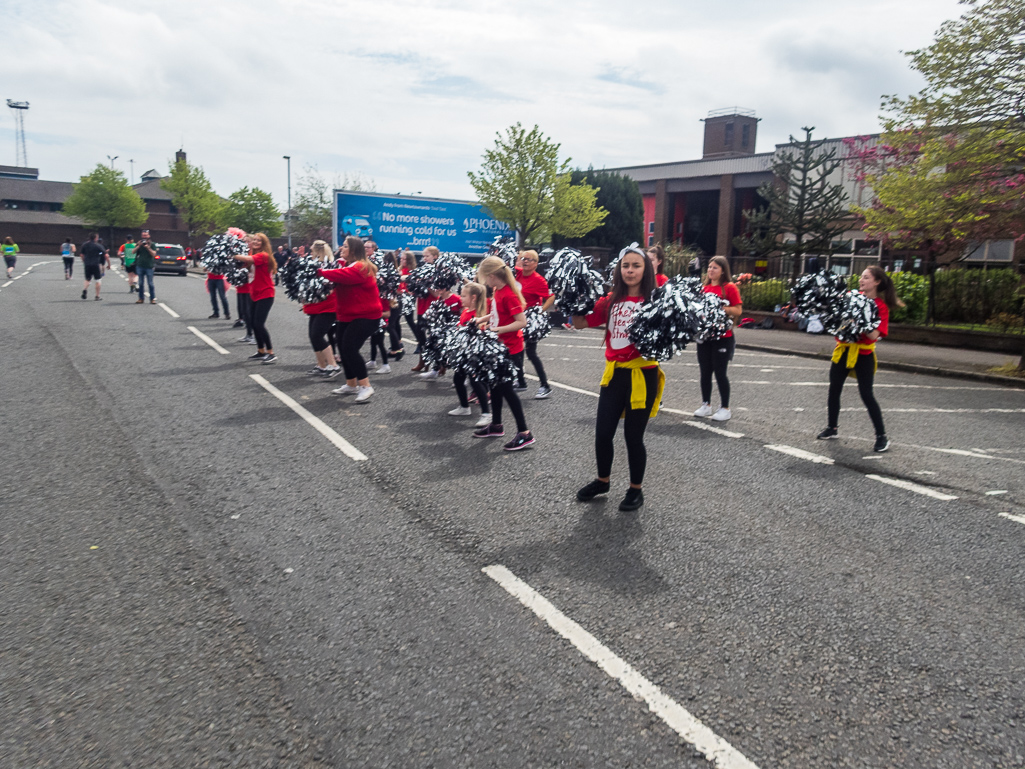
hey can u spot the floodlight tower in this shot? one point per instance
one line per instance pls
(20, 153)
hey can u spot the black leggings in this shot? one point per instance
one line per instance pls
(351, 335)
(538, 367)
(377, 343)
(321, 330)
(459, 382)
(713, 358)
(261, 309)
(418, 330)
(865, 369)
(613, 399)
(505, 391)
(394, 332)
(244, 305)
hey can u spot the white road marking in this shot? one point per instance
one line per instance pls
(315, 422)
(876, 456)
(169, 311)
(702, 425)
(963, 453)
(675, 716)
(208, 340)
(945, 411)
(996, 492)
(1015, 518)
(571, 388)
(197, 277)
(909, 486)
(924, 472)
(5, 285)
(801, 454)
(902, 386)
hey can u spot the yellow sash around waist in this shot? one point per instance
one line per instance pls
(638, 385)
(852, 350)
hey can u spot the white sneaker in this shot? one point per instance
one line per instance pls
(461, 411)
(704, 411)
(385, 369)
(432, 374)
(371, 364)
(484, 421)
(721, 415)
(345, 390)
(364, 394)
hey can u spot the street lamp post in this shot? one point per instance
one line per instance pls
(112, 159)
(131, 165)
(288, 211)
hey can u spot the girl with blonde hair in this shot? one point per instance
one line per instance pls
(322, 321)
(475, 305)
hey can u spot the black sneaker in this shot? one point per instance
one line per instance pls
(826, 435)
(211, 317)
(633, 500)
(83, 293)
(521, 441)
(543, 392)
(520, 387)
(882, 444)
(238, 323)
(593, 489)
(491, 431)
(257, 356)
(98, 298)
(270, 358)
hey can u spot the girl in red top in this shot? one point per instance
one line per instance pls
(631, 388)
(657, 255)
(406, 265)
(507, 320)
(454, 303)
(359, 314)
(430, 254)
(859, 359)
(474, 303)
(536, 294)
(261, 293)
(715, 354)
(322, 321)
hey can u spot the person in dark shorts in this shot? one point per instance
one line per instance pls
(10, 250)
(127, 252)
(68, 255)
(93, 258)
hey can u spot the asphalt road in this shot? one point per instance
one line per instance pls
(193, 575)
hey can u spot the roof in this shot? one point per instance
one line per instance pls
(22, 216)
(35, 190)
(690, 169)
(151, 190)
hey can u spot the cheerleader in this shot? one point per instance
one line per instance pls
(263, 268)
(858, 359)
(321, 323)
(359, 314)
(631, 387)
(474, 301)
(454, 303)
(715, 354)
(657, 255)
(430, 254)
(507, 319)
(536, 294)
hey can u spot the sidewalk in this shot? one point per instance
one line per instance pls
(900, 356)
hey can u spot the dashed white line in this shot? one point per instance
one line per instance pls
(909, 486)
(801, 454)
(561, 386)
(208, 340)
(168, 310)
(675, 716)
(315, 422)
(1015, 518)
(5, 285)
(702, 425)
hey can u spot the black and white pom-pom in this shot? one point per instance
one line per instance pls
(219, 258)
(713, 322)
(664, 325)
(544, 261)
(855, 316)
(505, 249)
(480, 354)
(820, 293)
(539, 325)
(300, 281)
(439, 321)
(420, 281)
(388, 280)
(576, 285)
(407, 303)
(450, 272)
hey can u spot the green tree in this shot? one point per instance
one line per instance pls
(804, 208)
(620, 196)
(104, 199)
(199, 207)
(312, 210)
(252, 210)
(522, 183)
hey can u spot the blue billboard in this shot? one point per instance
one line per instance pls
(402, 221)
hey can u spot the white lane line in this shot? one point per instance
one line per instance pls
(208, 340)
(996, 492)
(945, 411)
(5, 285)
(315, 422)
(801, 454)
(1015, 518)
(169, 311)
(897, 386)
(701, 425)
(963, 453)
(197, 277)
(675, 716)
(909, 486)
(562, 386)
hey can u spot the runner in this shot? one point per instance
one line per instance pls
(93, 256)
(127, 254)
(10, 251)
(68, 255)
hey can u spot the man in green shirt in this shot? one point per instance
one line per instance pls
(128, 260)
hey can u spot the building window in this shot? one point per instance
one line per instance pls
(729, 134)
(745, 135)
(651, 240)
(651, 226)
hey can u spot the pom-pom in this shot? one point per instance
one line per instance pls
(713, 322)
(855, 316)
(664, 325)
(298, 277)
(407, 303)
(450, 272)
(388, 279)
(539, 325)
(439, 320)
(420, 281)
(480, 354)
(818, 294)
(574, 283)
(219, 256)
(505, 249)
(544, 261)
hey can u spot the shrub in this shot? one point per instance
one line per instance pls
(974, 296)
(764, 294)
(913, 290)
(678, 259)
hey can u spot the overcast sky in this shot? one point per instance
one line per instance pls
(411, 93)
